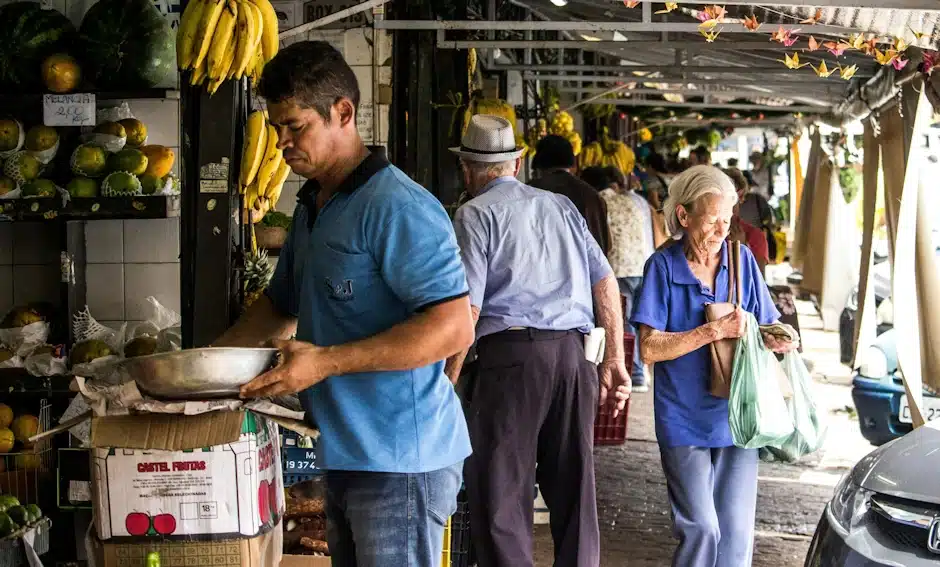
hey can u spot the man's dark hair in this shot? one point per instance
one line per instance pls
(553, 152)
(596, 176)
(657, 162)
(733, 162)
(703, 154)
(313, 73)
(616, 176)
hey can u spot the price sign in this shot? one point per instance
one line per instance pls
(68, 110)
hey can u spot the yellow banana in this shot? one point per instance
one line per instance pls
(198, 75)
(272, 158)
(247, 40)
(186, 34)
(273, 192)
(211, 12)
(254, 148)
(251, 196)
(269, 36)
(224, 34)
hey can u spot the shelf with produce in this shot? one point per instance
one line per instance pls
(91, 208)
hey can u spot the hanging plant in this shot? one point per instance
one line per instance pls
(849, 180)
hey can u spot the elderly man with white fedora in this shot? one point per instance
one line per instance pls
(535, 273)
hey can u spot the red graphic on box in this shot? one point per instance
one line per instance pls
(264, 509)
(164, 524)
(137, 523)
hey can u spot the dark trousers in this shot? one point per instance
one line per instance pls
(534, 401)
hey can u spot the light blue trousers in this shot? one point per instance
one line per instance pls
(713, 493)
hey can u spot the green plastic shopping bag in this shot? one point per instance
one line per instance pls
(809, 431)
(757, 411)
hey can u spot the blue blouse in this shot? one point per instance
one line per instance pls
(672, 299)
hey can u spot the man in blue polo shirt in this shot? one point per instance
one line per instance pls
(371, 278)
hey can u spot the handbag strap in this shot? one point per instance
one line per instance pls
(735, 287)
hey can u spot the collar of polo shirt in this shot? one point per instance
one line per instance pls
(372, 164)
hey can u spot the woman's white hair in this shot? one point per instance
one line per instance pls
(690, 186)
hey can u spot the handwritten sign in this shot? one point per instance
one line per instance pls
(68, 110)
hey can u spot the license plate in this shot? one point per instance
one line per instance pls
(300, 461)
(931, 409)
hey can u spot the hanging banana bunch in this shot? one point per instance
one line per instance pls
(263, 169)
(220, 40)
(606, 152)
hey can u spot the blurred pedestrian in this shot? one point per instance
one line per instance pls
(555, 165)
(535, 275)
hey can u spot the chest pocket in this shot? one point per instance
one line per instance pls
(345, 282)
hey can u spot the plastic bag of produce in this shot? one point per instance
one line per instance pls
(9, 358)
(161, 332)
(757, 410)
(809, 431)
(23, 329)
(96, 347)
(46, 360)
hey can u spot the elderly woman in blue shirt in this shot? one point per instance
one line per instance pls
(712, 484)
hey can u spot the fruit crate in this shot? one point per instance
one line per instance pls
(609, 430)
(459, 527)
(22, 472)
(13, 550)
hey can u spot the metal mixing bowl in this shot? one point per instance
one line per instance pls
(200, 373)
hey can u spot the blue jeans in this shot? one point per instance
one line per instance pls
(629, 288)
(713, 493)
(389, 519)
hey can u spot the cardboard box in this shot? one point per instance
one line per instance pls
(211, 476)
(305, 561)
(261, 551)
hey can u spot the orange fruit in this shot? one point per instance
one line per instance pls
(6, 416)
(24, 427)
(61, 73)
(159, 160)
(6, 440)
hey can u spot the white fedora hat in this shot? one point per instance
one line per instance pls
(488, 139)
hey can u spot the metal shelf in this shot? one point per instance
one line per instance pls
(97, 208)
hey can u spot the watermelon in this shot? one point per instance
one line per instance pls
(30, 34)
(126, 44)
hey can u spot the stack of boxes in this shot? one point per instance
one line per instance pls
(202, 489)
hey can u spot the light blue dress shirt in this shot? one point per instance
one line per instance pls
(381, 249)
(530, 259)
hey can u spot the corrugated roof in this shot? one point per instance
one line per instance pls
(885, 23)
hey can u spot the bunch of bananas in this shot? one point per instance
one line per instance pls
(608, 152)
(219, 40)
(263, 170)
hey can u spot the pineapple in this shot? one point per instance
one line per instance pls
(258, 273)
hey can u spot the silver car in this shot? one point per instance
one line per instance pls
(886, 510)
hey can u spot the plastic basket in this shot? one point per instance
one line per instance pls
(460, 547)
(607, 429)
(12, 552)
(23, 472)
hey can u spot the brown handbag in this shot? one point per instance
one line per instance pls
(722, 351)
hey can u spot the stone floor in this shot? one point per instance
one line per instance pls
(631, 491)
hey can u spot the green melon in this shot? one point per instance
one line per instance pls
(22, 167)
(30, 34)
(7, 501)
(82, 187)
(35, 513)
(126, 44)
(89, 160)
(7, 527)
(120, 183)
(128, 159)
(39, 188)
(19, 515)
(150, 184)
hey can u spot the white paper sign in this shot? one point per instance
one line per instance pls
(68, 109)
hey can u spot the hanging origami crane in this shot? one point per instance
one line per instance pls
(815, 18)
(813, 44)
(751, 23)
(785, 37)
(837, 49)
(710, 36)
(631, 3)
(793, 61)
(822, 70)
(848, 72)
(670, 6)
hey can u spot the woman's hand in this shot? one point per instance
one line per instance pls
(732, 326)
(778, 345)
